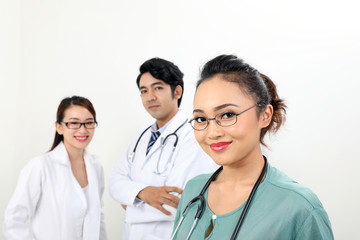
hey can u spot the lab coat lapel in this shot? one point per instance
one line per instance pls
(61, 156)
(93, 181)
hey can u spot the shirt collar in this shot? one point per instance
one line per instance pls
(161, 130)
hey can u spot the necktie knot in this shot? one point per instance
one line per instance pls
(154, 137)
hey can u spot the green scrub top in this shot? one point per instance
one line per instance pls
(281, 209)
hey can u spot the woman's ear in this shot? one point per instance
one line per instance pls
(266, 116)
(59, 128)
(178, 92)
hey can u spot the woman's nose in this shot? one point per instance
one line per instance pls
(213, 129)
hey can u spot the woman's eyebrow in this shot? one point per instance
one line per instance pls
(73, 118)
(224, 106)
(217, 108)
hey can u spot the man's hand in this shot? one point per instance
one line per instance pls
(157, 196)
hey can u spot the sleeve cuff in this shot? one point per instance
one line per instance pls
(135, 200)
(138, 202)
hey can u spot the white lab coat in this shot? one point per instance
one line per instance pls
(144, 222)
(49, 196)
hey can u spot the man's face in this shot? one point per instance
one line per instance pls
(157, 98)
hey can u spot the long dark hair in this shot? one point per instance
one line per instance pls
(65, 104)
(252, 82)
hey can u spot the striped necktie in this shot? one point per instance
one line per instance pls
(154, 136)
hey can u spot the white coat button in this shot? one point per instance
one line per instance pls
(213, 217)
(83, 210)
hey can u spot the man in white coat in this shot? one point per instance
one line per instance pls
(149, 178)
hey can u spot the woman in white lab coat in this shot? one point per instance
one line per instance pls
(59, 194)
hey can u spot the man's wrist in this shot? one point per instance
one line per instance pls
(137, 201)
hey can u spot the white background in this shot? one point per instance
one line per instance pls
(311, 49)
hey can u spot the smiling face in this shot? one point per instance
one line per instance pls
(232, 144)
(76, 139)
(158, 99)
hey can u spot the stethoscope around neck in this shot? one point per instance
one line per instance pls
(158, 172)
(201, 208)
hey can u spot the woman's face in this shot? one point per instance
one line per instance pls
(76, 139)
(228, 145)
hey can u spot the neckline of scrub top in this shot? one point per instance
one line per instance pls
(258, 192)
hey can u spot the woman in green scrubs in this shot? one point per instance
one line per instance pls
(235, 106)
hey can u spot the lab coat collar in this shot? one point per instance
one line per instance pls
(174, 123)
(61, 156)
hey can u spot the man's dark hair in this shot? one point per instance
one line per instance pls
(163, 70)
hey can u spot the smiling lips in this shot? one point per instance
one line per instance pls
(219, 146)
(81, 138)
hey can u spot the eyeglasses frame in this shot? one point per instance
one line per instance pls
(81, 124)
(218, 123)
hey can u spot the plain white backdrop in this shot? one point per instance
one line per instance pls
(311, 49)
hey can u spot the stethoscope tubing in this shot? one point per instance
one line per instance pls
(201, 198)
(249, 200)
(132, 154)
(200, 209)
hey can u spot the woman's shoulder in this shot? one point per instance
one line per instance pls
(193, 187)
(300, 203)
(196, 183)
(200, 179)
(285, 186)
(35, 165)
(41, 159)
